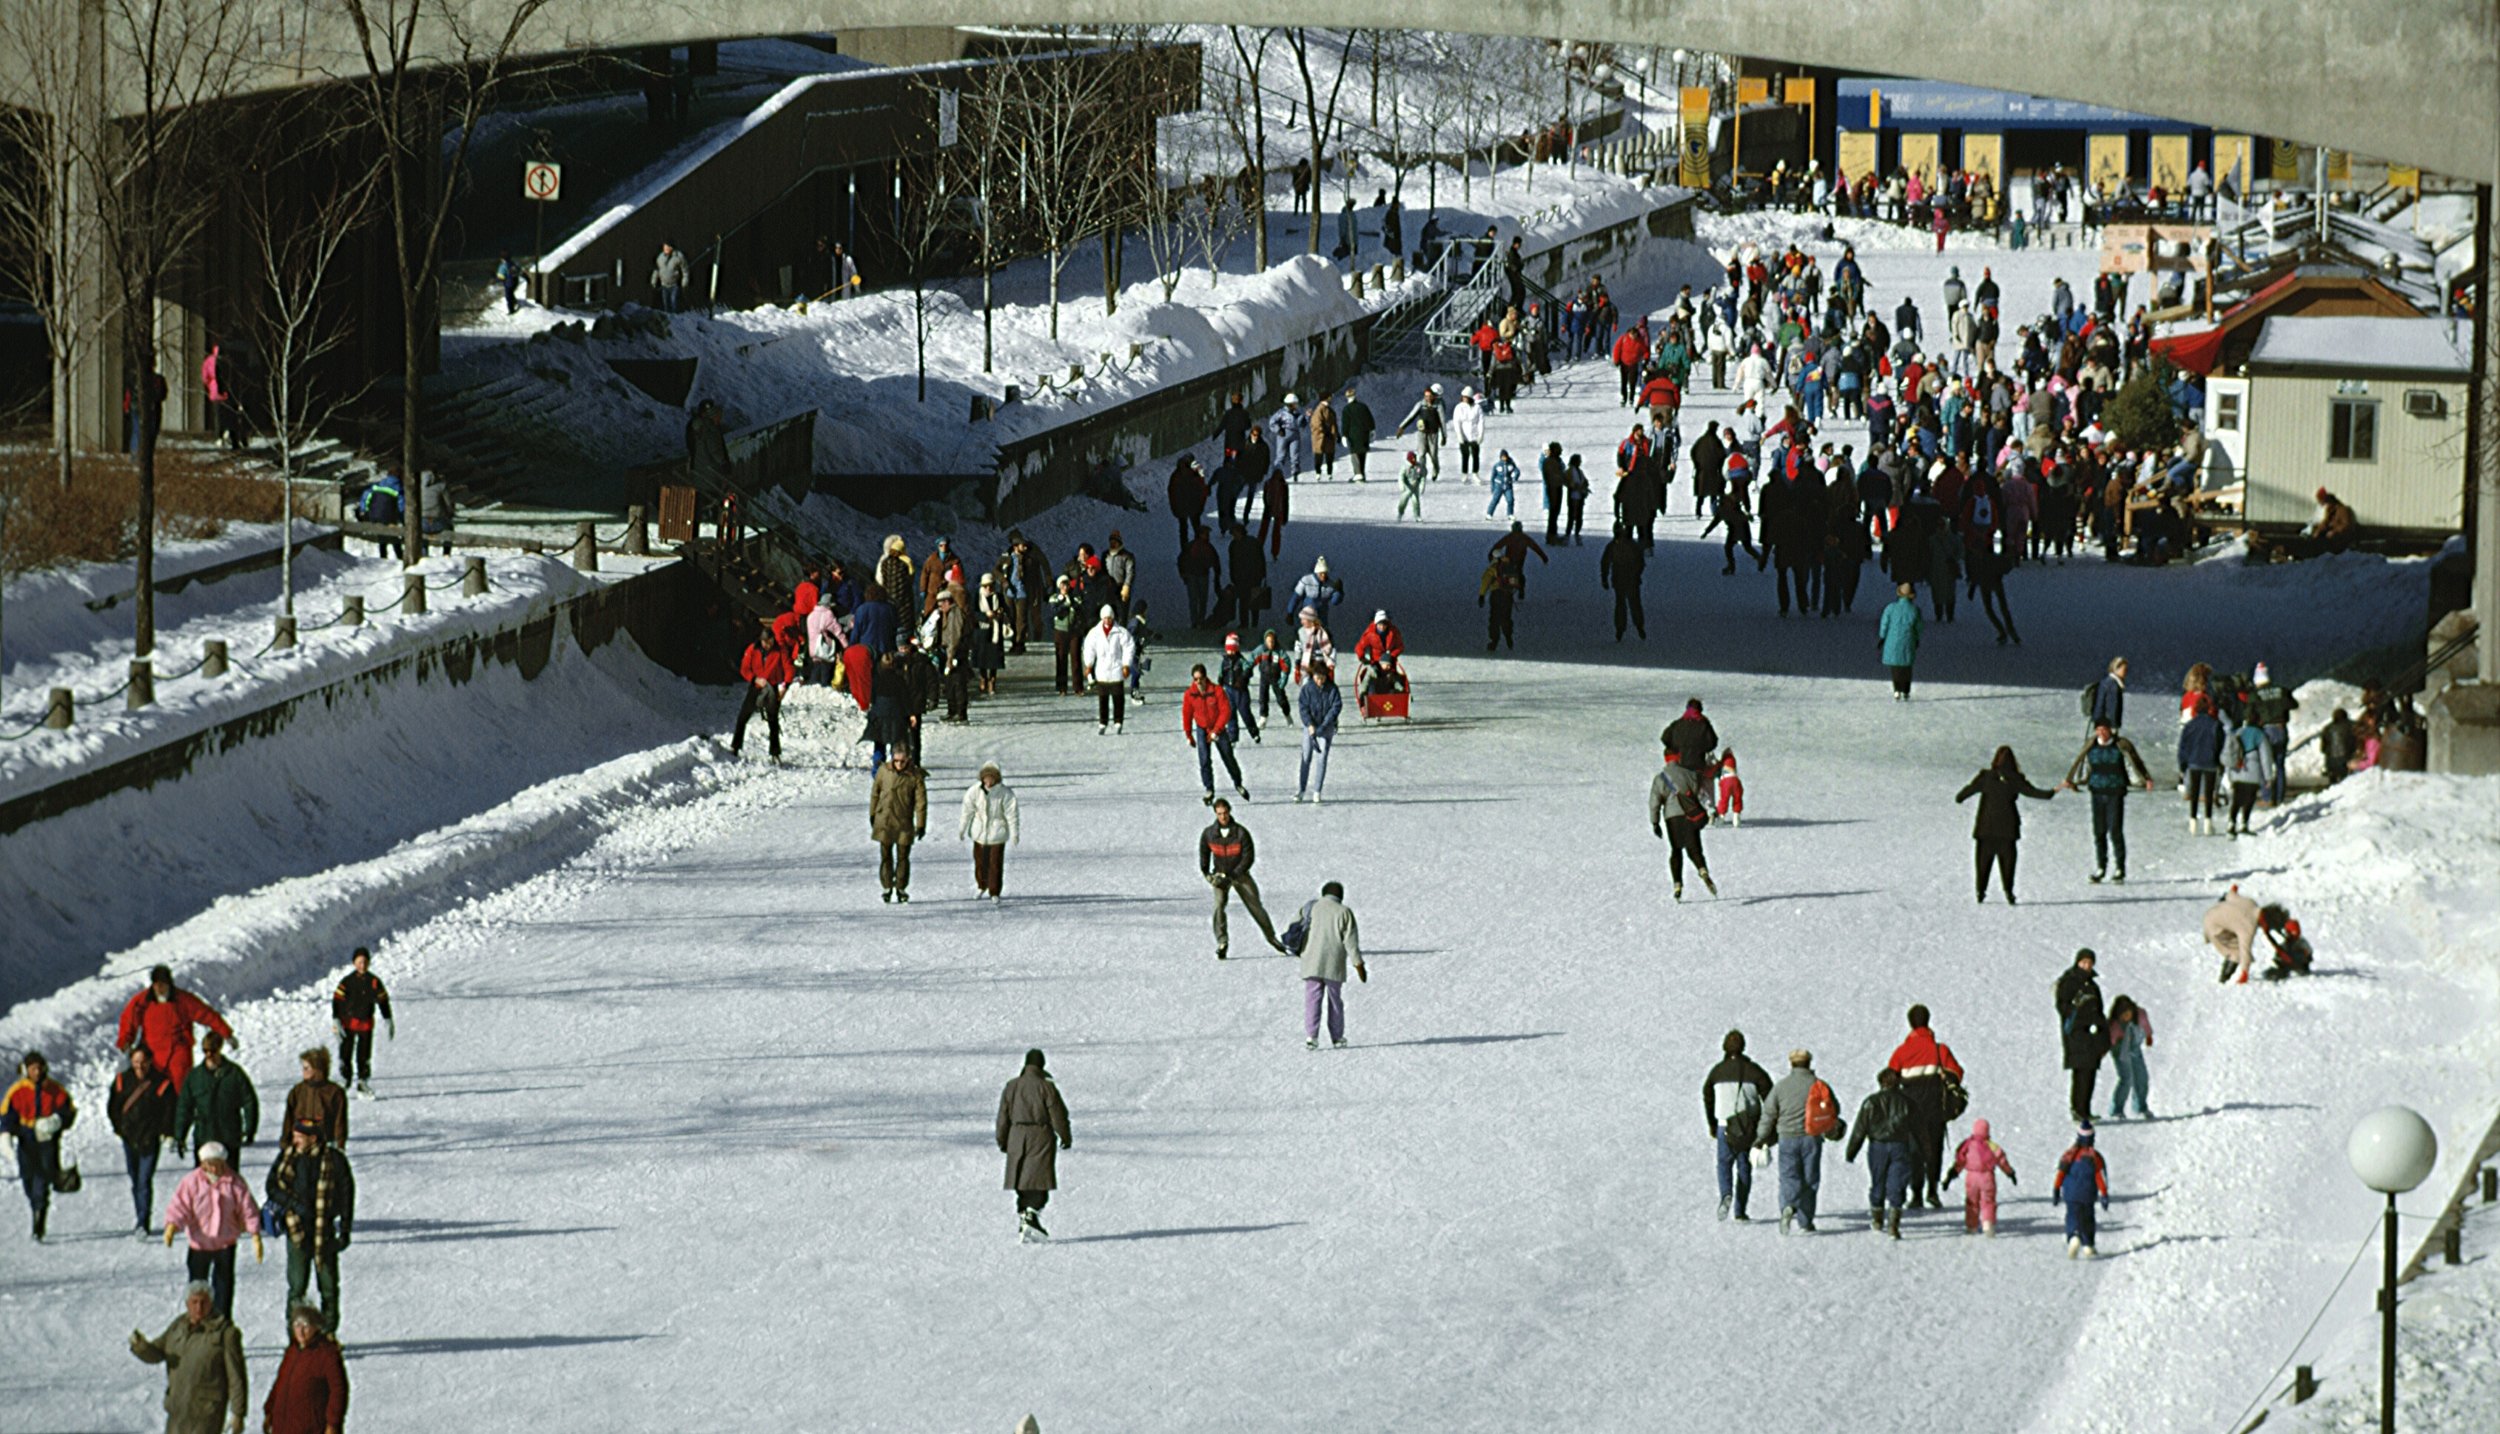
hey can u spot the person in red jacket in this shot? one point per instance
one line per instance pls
(35, 1111)
(1631, 350)
(1926, 1065)
(1378, 651)
(163, 1015)
(1207, 726)
(766, 669)
(309, 1396)
(1662, 398)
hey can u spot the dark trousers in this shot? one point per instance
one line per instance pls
(2082, 1223)
(2109, 829)
(959, 689)
(140, 1160)
(989, 868)
(321, 1272)
(1926, 1148)
(1683, 838)
(1631, 376)
(1111, 701)
(2202, 787)
(216, 1267)
(2243, 804)
(1799, 573)
(1893, 1173)
(894, 865)
(767, 699)
(1063, 646)
(1901, 684)
(1033, 1200)
(1734, 541)
(1628, 605)
(2079, 1091)
(1215, 744)
(1553, 513)
(356, 1053)
(1999, 853)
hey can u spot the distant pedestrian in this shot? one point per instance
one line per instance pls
(1896, 639)
(1032, 1130)
(990, 823)
(314, 1189)
(2130, 1036)
(2082, 1181)
(668, 276)
(1207, 728)
(1619, 570)
(359, 998)
(766, 670)
(1932, 1081)
(217, 1103)
(213, 1208)
(898, 815)
(1676, 814)
(508, 274)
(1885, 1130)
(141, 1110)
(1979, 1159)
(1330, 943)
(309, 1396)
(1109, 655)
(1225, 856)
(36, 1111)
(1731, 1101)
(206, 1384)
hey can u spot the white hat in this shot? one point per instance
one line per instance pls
(1319, 565)
(1106, 610)
(211, 1150)
(1466, 393)
(2261, 675)
(1293, 400)
(1381, 616)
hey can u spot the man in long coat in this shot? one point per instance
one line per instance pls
(1032, 1130)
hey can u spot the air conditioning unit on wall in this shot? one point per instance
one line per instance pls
(2426, 403)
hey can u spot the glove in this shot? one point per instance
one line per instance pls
(169, 1237)
(48, 1128)
(257, 1251)
(1361, 974)
(390, 1028)
(1658, 832)
(138, 1343)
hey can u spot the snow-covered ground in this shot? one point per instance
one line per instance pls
(682, 1099)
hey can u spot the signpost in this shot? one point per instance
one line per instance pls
(542, 183)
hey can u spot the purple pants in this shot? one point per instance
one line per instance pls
(1315, 990)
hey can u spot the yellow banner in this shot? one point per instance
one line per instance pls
(2287, 162)
(1693, 146)
(1918, 155)
(1752, 91)
(2405, 176)
(2233, 156)
(1799, 92)
(1874, 108)
(2105, 161)
(2170, 163)
(2338, 164)
(1857, 154)
(1984, 154)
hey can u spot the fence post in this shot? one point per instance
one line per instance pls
(2491, 1185)
(473, 578)
(2304, 1385)
(2452, 1244)
(353, 614)
(414, 587)
(284, 637)
(637, 532)
(142, 684)
(585, 548)
(60, 709)
(213, 657)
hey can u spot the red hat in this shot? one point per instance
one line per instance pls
(1232, 642)
(2291, 928)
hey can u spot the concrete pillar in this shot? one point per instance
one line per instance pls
(213, 657)
(414, 602)
(2464, 716)
(585, 548)
(354, 613)
(473, 578)
(142, 684)
(637, 532)
(60, 709)
(284, 637)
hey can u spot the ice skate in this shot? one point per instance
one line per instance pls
(1679, 891)
(2118, 877)
(1311, 1043)
(1118, 728)
(1724, 1203)
(1707, 884)
(364, 1088)
(1102, 729)
(2100, 876)
(1892, 1226)
(2073, 1247)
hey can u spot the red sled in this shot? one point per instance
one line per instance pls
(1379, 705)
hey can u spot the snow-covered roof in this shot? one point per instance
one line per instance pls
(2363, 343)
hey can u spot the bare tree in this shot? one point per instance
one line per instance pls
(929, 227)
(155, 168)
(1323, 117)
(982, 178)
(301, 210)
(47, 211)
(1246, 118)
(1057, 110)
(428, 67)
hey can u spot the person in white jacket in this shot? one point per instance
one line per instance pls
(1467, 422)
(1109, 653)
(990, 824)
(1753, 377)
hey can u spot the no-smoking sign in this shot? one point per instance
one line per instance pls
(542, 181)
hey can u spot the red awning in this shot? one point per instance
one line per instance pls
(2197, 352)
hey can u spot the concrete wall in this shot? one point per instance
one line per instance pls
(2415, 485)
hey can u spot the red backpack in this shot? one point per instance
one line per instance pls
(1822, 1111)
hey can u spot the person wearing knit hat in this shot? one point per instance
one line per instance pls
(1793, 1121)
(2270, 710)
(2082, 1179)
(1731, 1101)
(1235, 674)
(214, 1208)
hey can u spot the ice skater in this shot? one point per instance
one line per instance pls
(1676, 814)
(1032, 1130)
(1977, 1160)
(2082, 1179)
(359, 997)
(1330, 944)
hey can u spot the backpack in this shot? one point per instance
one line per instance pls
(2091, 694)
(1822, 1111)
(1298, 935)
(1738, 1129)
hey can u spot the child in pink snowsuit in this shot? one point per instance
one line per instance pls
(1980, 1159)
(1731, 789)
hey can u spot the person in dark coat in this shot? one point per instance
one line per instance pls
(359, 997)
(2083, 1030)
(1032, 1130)
(1883, 1128)
(1709, 462)
(141, 1110)
(1731, 1101)
(218, 1103)
(309, 1396)
(1620, 568)
(315, 1191)
(207, 1386)
(1691, 738)
(1998, 828)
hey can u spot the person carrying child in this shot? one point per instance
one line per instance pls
(2082, 1179)
(1977, 1160)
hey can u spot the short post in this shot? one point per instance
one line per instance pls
(637, 532)
(142, 684)
(213, 657)
(60, 709)
(2304, 1384)
(473, 578)
(585, 548)
(414, 588)
(2491, 1185)
(1397, 269)
(2452, 1245)
(284, 638)
(1357, 283)
(354, 614)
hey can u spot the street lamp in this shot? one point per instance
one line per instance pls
(2392, 1150)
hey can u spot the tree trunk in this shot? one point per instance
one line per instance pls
(411, 399)
(1056, 259)
(143, 606)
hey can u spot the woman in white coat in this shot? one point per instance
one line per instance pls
(989, 824)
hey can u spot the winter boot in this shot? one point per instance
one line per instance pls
(1988, 1228)
(1892, 1226)
(2099, 875)
(1679, 891)
(1724, 1202)
(1311, 1043)
(364, 1087)
(2118, 877)
(1788, 1216)
(2090, 1254)
(2227, 964)
(2074, 1247)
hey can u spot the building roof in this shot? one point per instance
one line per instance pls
(1933, 104)
(2363, 344)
